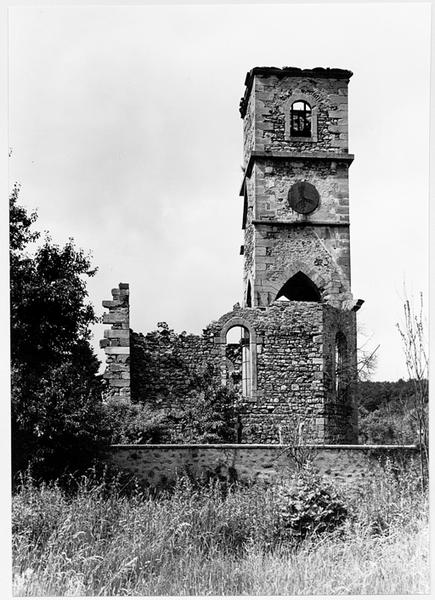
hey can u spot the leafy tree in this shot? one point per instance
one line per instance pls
(55, 390)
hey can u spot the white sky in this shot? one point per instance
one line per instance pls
(126, 135)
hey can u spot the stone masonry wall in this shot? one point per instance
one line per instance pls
(273, 180)
(287, 351)
(159, 465)
(163, 365)
(249, 129)
(265, 123)
(281, 252)
(291, 354)
(284, 242)
(289, 346)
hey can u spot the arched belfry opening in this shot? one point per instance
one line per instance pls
(300, 288)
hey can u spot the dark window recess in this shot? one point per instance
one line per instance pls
(341, 359)
(300, 119)
(301, 288)
(248, 296)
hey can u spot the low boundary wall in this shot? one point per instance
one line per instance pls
(158, 464)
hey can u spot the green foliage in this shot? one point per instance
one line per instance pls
(136, 423)
(387, 412)
(310, 507)
(55, 390)
(20, 223)
(205, 414)
(374, 394)
(210, 411)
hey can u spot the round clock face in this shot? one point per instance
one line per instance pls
(303, 197)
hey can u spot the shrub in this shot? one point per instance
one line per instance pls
(206, 414)
(309, 508)
(135, 423)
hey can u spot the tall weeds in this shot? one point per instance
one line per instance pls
(214, 540)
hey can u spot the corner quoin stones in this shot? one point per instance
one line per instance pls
(298, 315)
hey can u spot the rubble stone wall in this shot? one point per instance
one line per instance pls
(291, 353)
(267, 124)
(163, 364)
(158, 465)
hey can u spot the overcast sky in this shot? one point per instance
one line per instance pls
(126, 135)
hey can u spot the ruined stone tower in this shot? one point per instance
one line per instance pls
(296, 228)
(295, 189)
(295, 363)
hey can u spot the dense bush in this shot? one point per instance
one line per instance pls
(310, 507)
(136, 423)
(205, 414)
(387, 412)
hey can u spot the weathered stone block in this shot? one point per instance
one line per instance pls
(112, 303)
(117, 350)
(115, 317)
(116, 333)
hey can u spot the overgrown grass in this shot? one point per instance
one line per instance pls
(200, 540)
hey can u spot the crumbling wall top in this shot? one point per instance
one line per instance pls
(317, 72)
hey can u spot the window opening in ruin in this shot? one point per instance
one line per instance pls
(301, 288)
(341, 378)
(248, 296)
(238, 350)
(300, 119)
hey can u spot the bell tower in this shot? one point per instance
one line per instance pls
(295, 186)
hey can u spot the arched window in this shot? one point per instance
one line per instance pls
(238, 350)
(300, 119)
(301, 288)
(341, 371)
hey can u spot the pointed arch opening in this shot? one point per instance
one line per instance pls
(300, 288)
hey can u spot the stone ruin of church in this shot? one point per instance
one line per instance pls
(296, 361)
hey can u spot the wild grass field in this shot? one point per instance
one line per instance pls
(215, 539)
